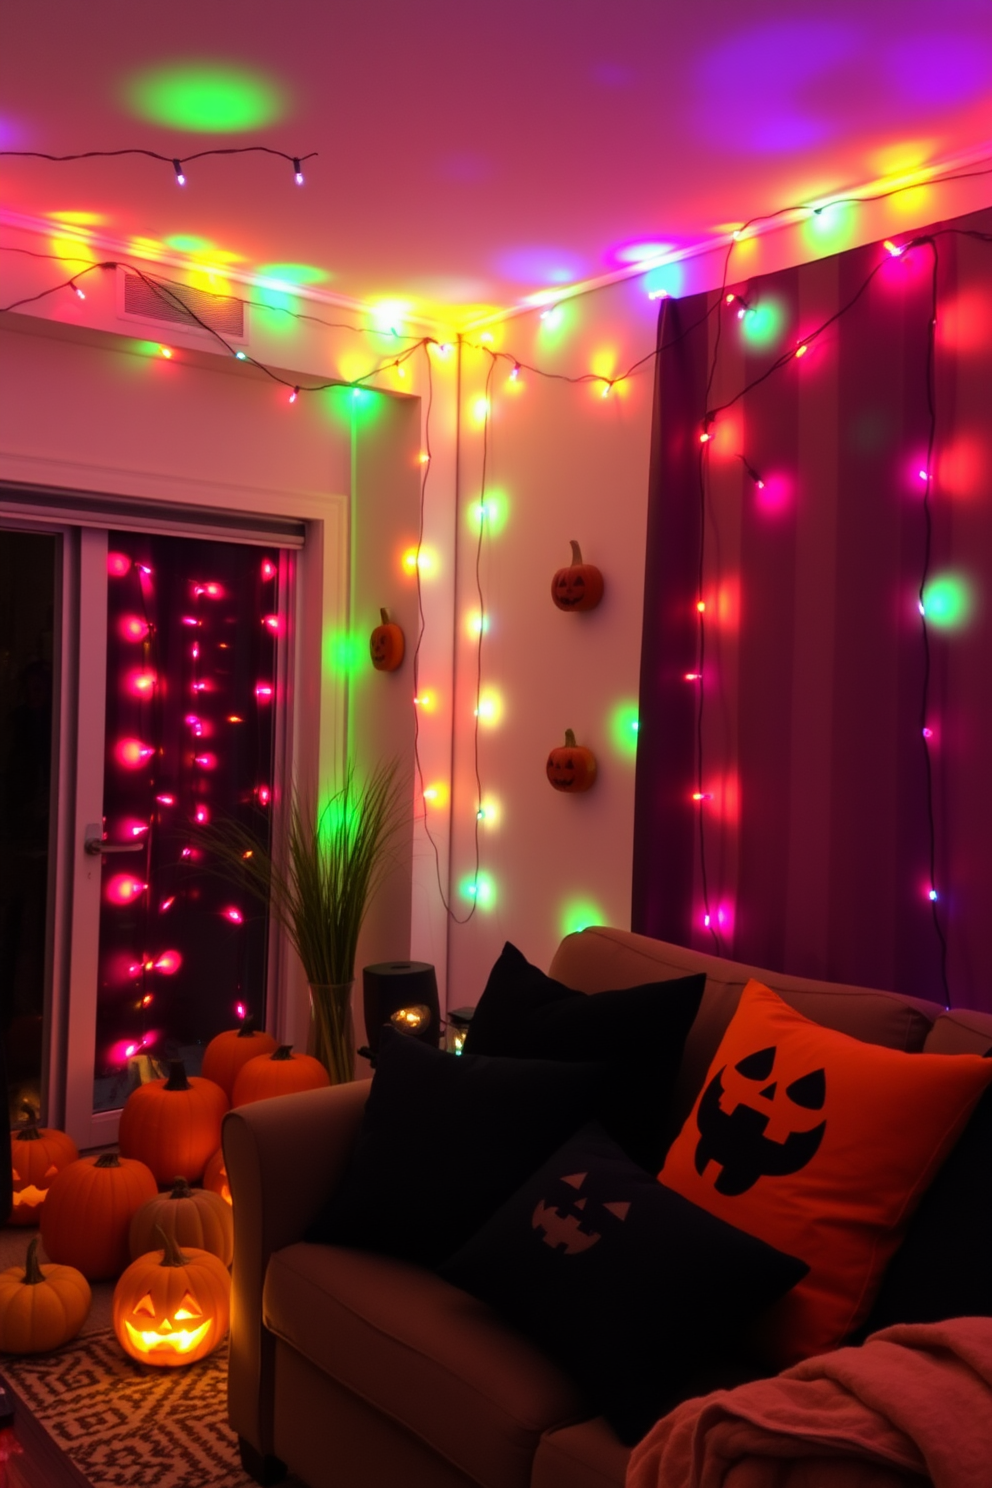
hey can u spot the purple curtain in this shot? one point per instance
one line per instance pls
(810, 851)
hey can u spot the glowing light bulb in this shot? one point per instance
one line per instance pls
(166, 800)
(242, 356)
(215, 591)
(802, 350)
(187, 853)
(933, 895)
(516, 372)
(206, 761)
(693, 676)
(263, 691)
(928, 733)
(741, 313)
(737, 234)
(123, 888)
(190, 620)
(702, 795)
(892, 248)
(705, 437)
(234, 915)
(131, 1049)
(133, 628)
(923, 474)
(606, 390)
(177, 166)
(297, 172)
(166, 352)
(168, 963)
(272, 623)
(234, 718)
(730, 299)
(118, 564)
(167, 904)
(430, 794)
(657, 294)
(195, 653)
(264, 795)
(138, 829)
(78, 292)
(142, 684)
(701, 605)
(919, 606)
(239, 1008)
(269, 569)
(294, 395)
(132, 753)
(201, 816)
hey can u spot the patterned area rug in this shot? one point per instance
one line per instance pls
(125, 1423)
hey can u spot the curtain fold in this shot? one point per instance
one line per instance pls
(810, 850)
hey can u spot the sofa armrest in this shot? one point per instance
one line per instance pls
(284, 1158)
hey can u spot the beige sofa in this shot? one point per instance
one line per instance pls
(359, 1371)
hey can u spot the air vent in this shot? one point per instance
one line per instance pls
(144, 298)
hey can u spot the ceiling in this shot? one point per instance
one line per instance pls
(472, 153)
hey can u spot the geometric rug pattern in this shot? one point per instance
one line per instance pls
(129, 1425)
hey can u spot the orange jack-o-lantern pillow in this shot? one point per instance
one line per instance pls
(822, 1146)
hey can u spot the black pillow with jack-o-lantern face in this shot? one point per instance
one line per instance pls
(633, 1289)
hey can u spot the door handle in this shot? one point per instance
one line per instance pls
(96, 847)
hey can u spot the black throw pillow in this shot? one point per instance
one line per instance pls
(638, 1031)
(943, 1269)
(444, 1141)
(628, 1285)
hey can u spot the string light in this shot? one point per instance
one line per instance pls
(166, 352)
(294, 395)
(177, 166)
(297, 172)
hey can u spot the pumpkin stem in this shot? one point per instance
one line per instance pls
(107, 1160)
(29, 1132)
(248, 1027)
(173, 1255)
(284, 1051)
(569, 739)
(385, 614)
(32, 1271)
(180, 1189)
(177, 1076)
(576, 551)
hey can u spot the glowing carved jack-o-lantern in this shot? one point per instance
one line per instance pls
(37, 1154)
(171, 1307)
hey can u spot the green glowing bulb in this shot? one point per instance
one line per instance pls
(624, 724)
(292, 273)
(492, 511)
(481, 888)
(205, 97)
(763, 323)
(947, 602)
(579, 914)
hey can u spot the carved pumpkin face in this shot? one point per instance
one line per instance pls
(37, 1155)
(579, 586)
(571, 767)
(386, 645)
(171, 1307)
(575, 1221)
(745, 1102)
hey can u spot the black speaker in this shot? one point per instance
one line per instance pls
(403, 993)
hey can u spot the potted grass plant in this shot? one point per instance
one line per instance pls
(319, 883)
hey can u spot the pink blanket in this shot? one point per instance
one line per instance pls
(912, 1405)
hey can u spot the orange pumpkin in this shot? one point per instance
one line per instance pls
(192, 1216)
(173, 1125)
(280, 1073)
(41, 1307)
(571, 767)
(387, 645)
(215, 1176)
(37, 1153)
(172, 1307)
(225, 1054)
(579, 586)
(88, 1212)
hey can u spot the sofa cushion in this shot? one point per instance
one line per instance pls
(444, 1140)
(960, 1032)
(428, 1356)
(823, 1146)
(604, 957)
(623, 1282)
(586, 1455)
(943, 1268)
(638, 1031)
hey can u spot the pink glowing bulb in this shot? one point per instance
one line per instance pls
(234, 915)
(272, 623)
(193, 722)
(240, 1009)
(706, 920)
(133, 628)
(693, 676)
(928, 733)
(131, 1049)
(294, 395)
(199, 687)
(137, 829)
(167, 904)
(190, 620)
(264, 795)
(263, 691)
(141, 684)
(206, 761)
(124, 889)
(132, 754)
(213, 591)
(168, 963)
(166, 800)
(118, 565)
(197, 589)
(195, 653)
(923, 474)
(269, 569)
(187, 852)
(201, 816)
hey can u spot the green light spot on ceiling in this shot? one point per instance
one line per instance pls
(479, 887)
(205, 98)
(186, 243)
(763, 323)
(830, 228)
(292, 273)
(366, 406)
(947, 602)
(578, 915)
(623, 728)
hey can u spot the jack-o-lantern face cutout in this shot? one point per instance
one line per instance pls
(568, 1225)
(153, 1333)
(386, 644)
(737, 1140)
(579, 586)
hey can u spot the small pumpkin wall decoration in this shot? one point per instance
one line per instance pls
(41, 1307)
(215, 1176)
(173, 1125)
(172, 1307)
(86, 1218)
(387, 645)
(571, 767)
(37, 1153)
(192, 1216)
(579, 586)
(228, 1051)
(280, 1073)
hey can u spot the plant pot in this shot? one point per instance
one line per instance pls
(332, 1035)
